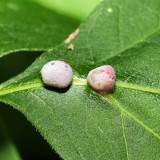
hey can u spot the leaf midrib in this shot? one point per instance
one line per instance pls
(80, 82)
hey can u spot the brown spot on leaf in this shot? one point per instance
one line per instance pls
(71, 36)
(65, 61)
(71, 47)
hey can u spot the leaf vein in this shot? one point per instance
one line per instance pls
(137, 87)
(78, 82)
(118, 105)
(85, 125)
(131, 46)
(119, 28)
(53, 112)
(88, 39)
(124, 136)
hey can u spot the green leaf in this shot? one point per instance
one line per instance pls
(8, 150)
(77, 122)
(73, 8)
(28, 26)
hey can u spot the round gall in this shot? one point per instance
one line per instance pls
(57, 74)
(102, 79)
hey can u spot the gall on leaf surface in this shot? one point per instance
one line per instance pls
(78, 123)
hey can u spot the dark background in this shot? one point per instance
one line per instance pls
(30, 144)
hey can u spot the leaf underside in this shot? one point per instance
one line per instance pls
(77, 122)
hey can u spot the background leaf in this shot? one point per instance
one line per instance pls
(76, 9)
(24, 137)
(30, 144)
(7, 149)
(78, 123)
(25, 25)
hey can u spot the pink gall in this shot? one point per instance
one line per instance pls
(102, 79)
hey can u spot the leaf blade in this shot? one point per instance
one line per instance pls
(101, 127)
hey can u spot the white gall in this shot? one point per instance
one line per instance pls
(102, 79)
(57, 74)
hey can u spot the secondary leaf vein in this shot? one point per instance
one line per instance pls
(131, 46)
(118, 105)
(124, 136)
(119, 28)
(42, 100)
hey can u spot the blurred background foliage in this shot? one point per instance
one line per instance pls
(18, 138)
(78, 9)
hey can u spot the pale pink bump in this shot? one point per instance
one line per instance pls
(102, 79)
(57, 74)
